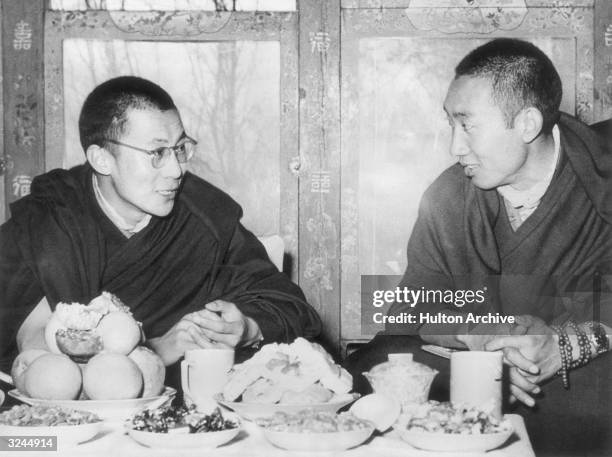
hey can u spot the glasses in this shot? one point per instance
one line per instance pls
(159, 156)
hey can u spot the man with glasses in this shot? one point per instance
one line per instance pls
(133, 222)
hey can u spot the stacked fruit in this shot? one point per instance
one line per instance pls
(94, 353)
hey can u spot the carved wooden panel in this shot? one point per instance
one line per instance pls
(396, 67)
(22, 29)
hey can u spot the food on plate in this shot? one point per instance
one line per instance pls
(53, 377)
(21, 363)
(37, 416)
(402, 379)
(309, 421)
(296, 373)
(445, 417)
(167, 418)
(109, 376)
(152, 368)
(119, 334)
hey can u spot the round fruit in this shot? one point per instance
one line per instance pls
(152, 368)
(119, 332)
(21, 363)
(110, 376)
(53, 377)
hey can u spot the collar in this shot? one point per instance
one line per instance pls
(530, 198)
(114, 216)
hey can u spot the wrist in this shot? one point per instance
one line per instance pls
(252, 334)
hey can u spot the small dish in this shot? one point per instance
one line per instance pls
(67, 435)
(318, 442)
(452, 442)
(182, 439)
(252, 411)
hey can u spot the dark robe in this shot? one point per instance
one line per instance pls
(556, 266)
(59, 244)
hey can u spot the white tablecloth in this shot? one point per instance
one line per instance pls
(113, 442)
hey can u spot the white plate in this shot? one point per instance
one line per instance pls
(318, 442)
(253, 411)
(450, 442)
(67, 435)
(110, 410)
(184, 440)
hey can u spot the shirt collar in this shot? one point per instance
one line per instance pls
(530, 198)
(114, 216)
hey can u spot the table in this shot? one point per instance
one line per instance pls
(112, 442)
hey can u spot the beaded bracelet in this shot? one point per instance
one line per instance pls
(584, 345)
(565, 351)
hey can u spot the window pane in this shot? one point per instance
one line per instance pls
(227, 94)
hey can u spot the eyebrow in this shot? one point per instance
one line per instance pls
(163, 140)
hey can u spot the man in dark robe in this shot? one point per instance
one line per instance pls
(132, 222)
(525, 219)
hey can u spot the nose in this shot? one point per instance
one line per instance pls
(172, 168)
(458, 146)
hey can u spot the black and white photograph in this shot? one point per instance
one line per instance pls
(277, 228)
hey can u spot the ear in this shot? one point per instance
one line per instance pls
(100, 159)
(529, 123)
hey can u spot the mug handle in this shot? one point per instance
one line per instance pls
(185, 381)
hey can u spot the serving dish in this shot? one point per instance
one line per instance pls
(318, 442)
(67, 435)
(252, 411)
(109, 410)
(450, 442)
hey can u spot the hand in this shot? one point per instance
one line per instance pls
(533, 357)
(183, 336)
(222, 322)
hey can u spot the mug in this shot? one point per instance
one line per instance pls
(204, 373)
(476, 380)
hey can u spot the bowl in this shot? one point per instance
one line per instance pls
(452, 442)
(109, 410)
(318, 442)
(252, 411)
(181, 439)
(67, 435)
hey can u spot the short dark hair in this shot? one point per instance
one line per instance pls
(104, 112)
(521, 76)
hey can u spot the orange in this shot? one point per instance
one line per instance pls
(53, 377)
(119, 332)
(21, 363)
(152, 368)
(109, 376)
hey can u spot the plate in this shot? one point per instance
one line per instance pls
(450, 442)
(253, 411)
(110, 410)
(184, 440)
(318, 442)
(67, 435)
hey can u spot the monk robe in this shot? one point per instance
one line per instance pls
(557, 265)
(59, 244)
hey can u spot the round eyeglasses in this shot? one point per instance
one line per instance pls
(159, 156)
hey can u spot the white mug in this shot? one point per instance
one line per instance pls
(204, 373)
(476, 380)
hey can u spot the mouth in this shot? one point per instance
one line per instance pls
(469, 169)
(168, 192)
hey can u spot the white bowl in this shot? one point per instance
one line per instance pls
(451, 442)
(110, 410)
(67, 435)
(252, 411)
(318, 442)
(185, 440)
